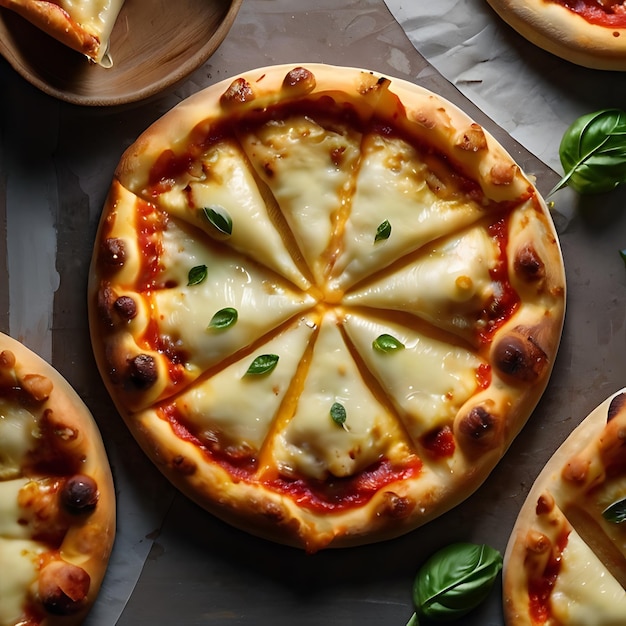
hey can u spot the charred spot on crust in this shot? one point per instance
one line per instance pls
(528, 264)
(183, 465)
(545, 504)
(618, 403)
(517, 355)
(79, 494)
(63, 588)
(479, 425)
(239, 92)
(113, 252)
(299, 79)
(142, 371)
(104, 304)
(125, 307)
(395, 506)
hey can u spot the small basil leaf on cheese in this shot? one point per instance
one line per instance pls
(616, 512)
(263, 364)
(220, 219)
(196, 275)
(224, 318)
(387, 343)
(338, 413)
(383, 231)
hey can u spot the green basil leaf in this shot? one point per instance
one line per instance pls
(455, 580)
(383, 231)
(263, 364)
(223, 319)
(220, 219)
(616, 512)
(413, 621)
(338, 413)
(196, 275)
(622, 253)
(387, 343)
(593, 152)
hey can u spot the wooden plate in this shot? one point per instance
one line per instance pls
(153, 45)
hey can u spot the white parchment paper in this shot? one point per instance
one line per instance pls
(530, 93)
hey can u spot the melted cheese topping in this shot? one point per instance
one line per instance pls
(18, 554)
(18, 429)
(306, 194)
(315, 445)
(19, 557)
(232, 282)
(394, 183)
(427, 380)
(585, 593)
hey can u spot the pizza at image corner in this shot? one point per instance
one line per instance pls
(324, 301)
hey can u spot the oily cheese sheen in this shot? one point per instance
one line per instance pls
(324, 301)
(57, 502)
(591, 33)
(83, 25)
(565, 563)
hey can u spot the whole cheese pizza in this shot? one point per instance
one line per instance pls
(591, 33)
(324, 301)
(57, 502)
(83, 25)
(565, 564)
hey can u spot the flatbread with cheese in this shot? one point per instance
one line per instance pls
(565, 564)
(57, 502)
(324, 301)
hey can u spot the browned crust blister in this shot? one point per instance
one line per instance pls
(79, 494)
(569, 495)
(521, 355)
(559, 30)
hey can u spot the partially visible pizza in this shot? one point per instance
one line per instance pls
(565, 564)
(591, 33)
(324, 301)
(57, 501)
(84, 26)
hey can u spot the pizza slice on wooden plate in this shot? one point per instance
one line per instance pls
(591, 33)
(57, 501)
(83, 26)
(565, 564)
(324, 301)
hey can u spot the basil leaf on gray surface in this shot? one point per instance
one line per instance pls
(593, 152)
(455, 580)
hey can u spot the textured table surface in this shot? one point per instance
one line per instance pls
(173, 563)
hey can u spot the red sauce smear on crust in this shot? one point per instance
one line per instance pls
(331, 495)
(540, 589)
(439, 442)
(505, 300)
(594, 13)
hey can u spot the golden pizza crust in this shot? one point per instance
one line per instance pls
(88, 542)
(51, 18)
(484, 426)
(564, 33)
(564, 498)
